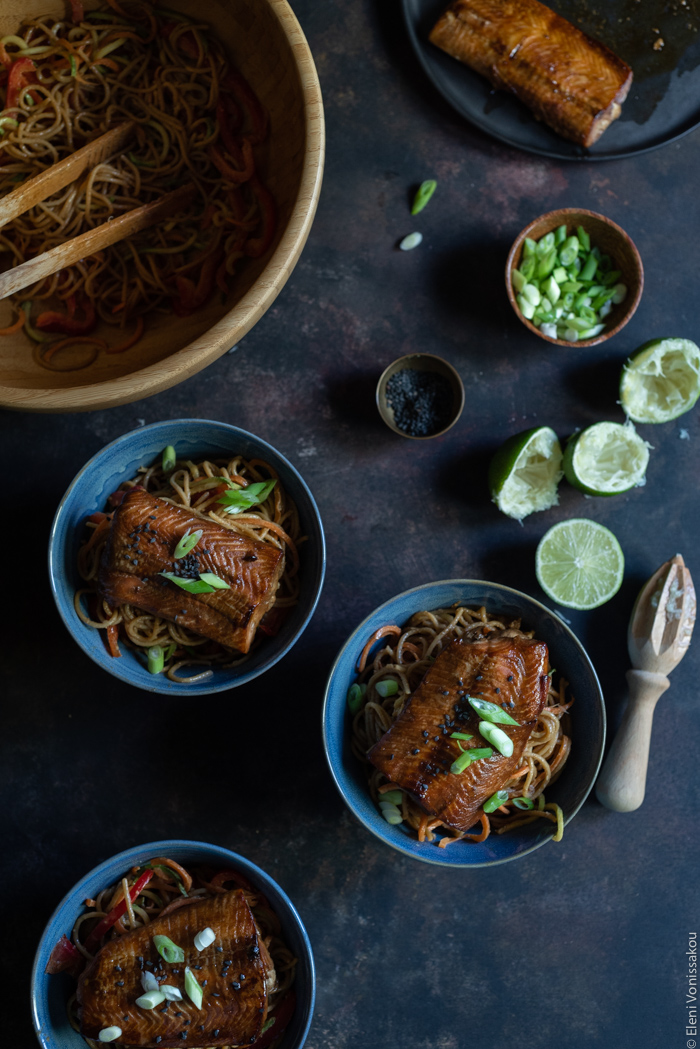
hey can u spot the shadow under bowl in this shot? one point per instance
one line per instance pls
(117, 462)
(612, 241)
(50, 993)
(567, 654)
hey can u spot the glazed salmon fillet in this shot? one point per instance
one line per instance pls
(418, 750)
(235, 973)
(570, 81)
(142, 539)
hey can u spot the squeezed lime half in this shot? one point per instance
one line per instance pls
(525, 471)
(661, 380)
(606, 459)
(579, 564)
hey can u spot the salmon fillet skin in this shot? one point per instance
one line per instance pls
(570, 81)
(143, 536)
(234, 973)
(418, 750)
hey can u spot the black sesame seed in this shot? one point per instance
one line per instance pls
(504, 704)
(215, 994)
(236, 986)
(125, 1016)
(445, 692)
(152, 517)
(219, 949)
(497, 690)
(201, 1027)
(416, 750)
(178, 1014)
(140, 961)
(196, 966)
(187, 1021)
(478, 677)
(117, 968)
(120, 983)
(149, 965)
(152, 539)
(512, 703)
(183, 1034)
(157, 1038)
(426, 733)
(509, 678)
(216, 1032)
(391, 757)
(176, 971)
(204, 983)
(165, 1008)
(241, 977)
(255, 949)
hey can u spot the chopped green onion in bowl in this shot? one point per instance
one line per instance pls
(387, 688)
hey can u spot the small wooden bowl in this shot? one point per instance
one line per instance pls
(611, 240)
(421, 362)
(266, 43)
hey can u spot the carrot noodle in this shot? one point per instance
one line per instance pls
(130, 341)
(159, 898)
(19, 323)
(276, 522)
(405, 660)
(195, 119)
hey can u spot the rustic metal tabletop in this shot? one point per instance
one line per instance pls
(582, 943)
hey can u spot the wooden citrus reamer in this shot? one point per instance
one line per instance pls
(658, 637)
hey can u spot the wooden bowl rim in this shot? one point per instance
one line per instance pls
(233, 326)
(566, 214)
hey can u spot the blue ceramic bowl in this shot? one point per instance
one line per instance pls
(567, 655)
(49, 994)
(117, 462)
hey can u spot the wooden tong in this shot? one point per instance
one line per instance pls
(55, 178)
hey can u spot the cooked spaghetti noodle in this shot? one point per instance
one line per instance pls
(197, 120)
(196, 486)
(169, 888)
(406, 657)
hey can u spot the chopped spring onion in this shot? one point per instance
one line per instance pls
(150, 999)
(236, 500)
(495, 801)
(497, 738)
(391, 814)
(469, 756)
(109, 1034)
(268, 1024)
(187, 543)
(206, 584)
(460, 735)
(204, 938)
(423, 195)
(168, 950)
(168, 654)
(491, 712)
(172, 994)
(394, 797)
(356, 694)
(156, 659)
(523, 803)
(148, 981)
(169, 459)
(411, 241)
(387, 688)
(73, 66)
(213, 581)
(194, 991)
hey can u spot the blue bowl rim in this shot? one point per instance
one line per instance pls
(258, 876)
(154, 686)
(360, 631)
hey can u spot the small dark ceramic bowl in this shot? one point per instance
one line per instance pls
(49, 994)
(587, 720)
(117, 462)
(421, 362)
(612, 241)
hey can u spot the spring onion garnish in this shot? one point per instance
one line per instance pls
(150, 999)
(167, 654)
(236, 500)
(172, 994)
(460, 735)
(356, 693)
(161, 866)
(423, 195)
(268, 1024)
(168, 950)
(392, 796)
(523, 803)
(203, 585)
(204, 938)
(148, 981)
(194, 991)
(497, 738)
(73, 66)
(156, 659)
(411, 241)
(495, 801)
(390, 813)
(169, 459)
(387, 688)
(491, 712)
(465, 760)
(109, 1034)
(187, 543)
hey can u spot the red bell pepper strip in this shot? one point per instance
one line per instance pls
(257, 246)
(239, 86)
(65, 957)
(17, 83)
(282, 1015)
(93, 940)
(5, 58)
(117, 498)
(52, 320)
(273, 621)
(232, 174)
(77, 12)
(191, 298)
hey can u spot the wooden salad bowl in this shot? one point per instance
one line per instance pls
(267, 45)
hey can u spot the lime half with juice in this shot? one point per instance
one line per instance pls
(606, 459)
(525, 472)
(579, 564)
(661, 380)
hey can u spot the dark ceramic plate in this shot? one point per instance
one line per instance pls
(663, 103)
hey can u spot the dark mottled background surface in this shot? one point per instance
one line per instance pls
(579, 944)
